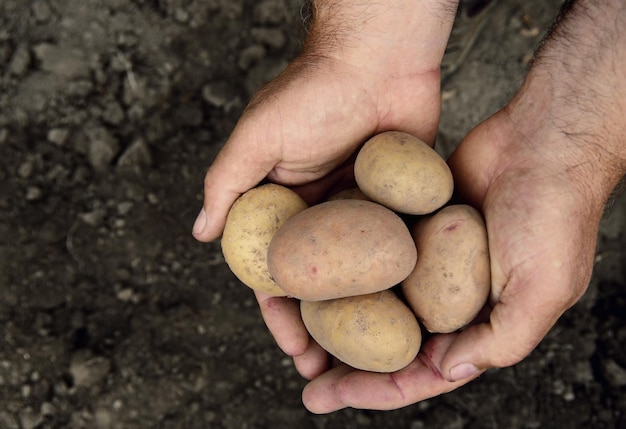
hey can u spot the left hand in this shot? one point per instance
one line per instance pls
(302, 129)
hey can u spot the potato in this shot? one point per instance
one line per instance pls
(373, 332)
(403, 173)
(341, 248)
(350, 194)
(451, 280)
(250, 225)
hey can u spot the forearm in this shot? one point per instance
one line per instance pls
(403, 36)
(576, 93)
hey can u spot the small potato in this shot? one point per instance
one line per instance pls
(251, 223)
(374, 332)
(341, 248)
(451, 280)
(403, 173)
(350, 194)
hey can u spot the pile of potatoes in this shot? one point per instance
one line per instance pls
(371, 266)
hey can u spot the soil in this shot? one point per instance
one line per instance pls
(112, 316)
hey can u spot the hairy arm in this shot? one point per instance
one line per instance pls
(405, 33)
(579, 70)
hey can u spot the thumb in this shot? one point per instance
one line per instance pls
(518, 322)
(242, 163)
(474, 162)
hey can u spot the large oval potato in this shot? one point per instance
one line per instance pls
(250, 225)
(403, 173)
(451, 280)
(374, 332)
(341, 248)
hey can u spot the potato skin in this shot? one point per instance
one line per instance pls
(250, 225)
(402, 172)
(350, 194)
(373, 332)
(451, 280)
(341, 248)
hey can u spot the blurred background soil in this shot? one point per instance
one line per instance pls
(112, 316)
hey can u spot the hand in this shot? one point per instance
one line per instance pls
(542, 233)
(366, 68)
(541, 171)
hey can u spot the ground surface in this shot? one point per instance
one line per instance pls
(112, 316)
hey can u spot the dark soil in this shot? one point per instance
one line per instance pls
(112, 316)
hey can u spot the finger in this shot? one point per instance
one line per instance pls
(320, 395)
(282, 317)
(422, 379)
(313, 362)
(240, 165)
(471, 183)
(335, 181)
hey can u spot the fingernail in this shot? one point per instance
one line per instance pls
(463, 371)
(200, 222)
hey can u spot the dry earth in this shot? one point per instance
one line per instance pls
(112, 316)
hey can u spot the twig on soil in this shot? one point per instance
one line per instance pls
(603, 255)
(128, 66)
(69, 243)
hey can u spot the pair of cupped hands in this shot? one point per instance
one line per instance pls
(303, 129)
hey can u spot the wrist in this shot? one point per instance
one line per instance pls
(575, 146)
(392, 50)
(573, 101)
(402, 37)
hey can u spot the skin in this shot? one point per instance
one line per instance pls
(309, 121)
(540, 170)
